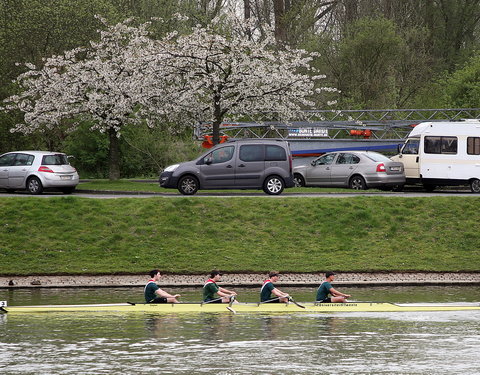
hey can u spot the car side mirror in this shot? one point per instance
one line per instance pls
(208, 160)
(313, 163)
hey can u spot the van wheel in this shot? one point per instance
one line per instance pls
(273, 185)
(429, 187)
(475, 185)
(299, 180)
(34, 186)
(188, 185)
(357, 183)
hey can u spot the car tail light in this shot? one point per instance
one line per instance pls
(45, 169)
(381, 167)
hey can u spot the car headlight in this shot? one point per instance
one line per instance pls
(171, 168)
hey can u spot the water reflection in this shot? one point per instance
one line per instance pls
(301, 343)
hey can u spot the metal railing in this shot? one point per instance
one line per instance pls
(381, 124)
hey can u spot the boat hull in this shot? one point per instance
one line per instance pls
(244, 307)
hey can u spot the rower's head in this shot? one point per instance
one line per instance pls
(216, 275)
(330, 275)
(273, 275)
(154, 274)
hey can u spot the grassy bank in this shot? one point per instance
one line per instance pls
(192, 235)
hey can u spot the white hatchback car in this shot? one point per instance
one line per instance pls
(37, 170)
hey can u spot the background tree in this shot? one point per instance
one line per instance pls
(436, 38)
(31, 30)
(463, 87)
(102, 83)
(379, 66)
(211, 77)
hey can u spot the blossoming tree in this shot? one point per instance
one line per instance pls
(211, 77)
(127, 78)
(101, 83)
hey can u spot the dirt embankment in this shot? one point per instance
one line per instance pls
(244, 279)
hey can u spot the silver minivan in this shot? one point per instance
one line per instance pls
(241, 164)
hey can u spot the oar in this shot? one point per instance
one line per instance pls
(270, 300)
(274, 299)
(229, 307)
(212, 300)
(295, 302)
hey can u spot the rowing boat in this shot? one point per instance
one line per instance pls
(244, 307)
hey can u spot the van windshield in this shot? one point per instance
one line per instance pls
(411, 147)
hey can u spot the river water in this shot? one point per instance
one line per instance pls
(295, 343)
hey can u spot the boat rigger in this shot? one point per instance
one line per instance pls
(243, 307)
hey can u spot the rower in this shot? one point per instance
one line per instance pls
(153, 293)
(268, 289)
(211, 289)
(326, 288)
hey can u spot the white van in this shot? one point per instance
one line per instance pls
(442, 154)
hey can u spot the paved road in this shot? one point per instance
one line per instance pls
(204, 194)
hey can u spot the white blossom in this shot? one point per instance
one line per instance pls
(209, 77)
(126, 77)
(102, 82)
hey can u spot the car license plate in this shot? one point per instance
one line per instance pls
(395, 169)
(69, 177)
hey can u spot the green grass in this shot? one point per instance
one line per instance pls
(123, 185)
(193, 235)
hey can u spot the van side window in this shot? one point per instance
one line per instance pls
(473, 145)
(251, 153)
(411, 147)
(221, 155)
(275, 153)
(440, 145)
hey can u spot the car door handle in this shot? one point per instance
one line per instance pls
(242, 165)
(327, 169)
(350, 168)
(416, 159)
(229, 166)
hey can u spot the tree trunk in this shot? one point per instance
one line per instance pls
(351, 12)
(429, 20)
(218, 118)
(247, 13)
(113, 155)
(280, 26)
(247, 10)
